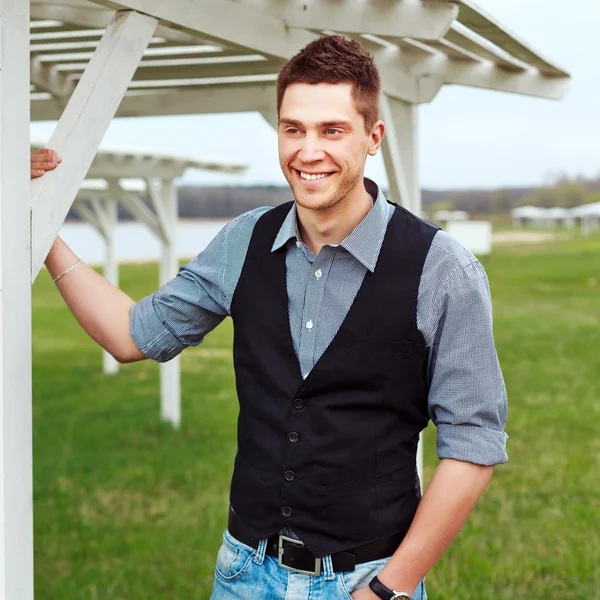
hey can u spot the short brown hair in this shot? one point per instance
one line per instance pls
(336, 59)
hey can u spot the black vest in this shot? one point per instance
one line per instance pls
(332, 457)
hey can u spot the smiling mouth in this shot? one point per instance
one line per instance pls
(313, 176)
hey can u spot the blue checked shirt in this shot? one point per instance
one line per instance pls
(467, 396)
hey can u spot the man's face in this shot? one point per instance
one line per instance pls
(323, 144)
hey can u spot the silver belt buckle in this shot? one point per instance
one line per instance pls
(283, 538)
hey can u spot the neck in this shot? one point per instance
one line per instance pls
(334, 224)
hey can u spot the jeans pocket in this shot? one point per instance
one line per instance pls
(361, 576)
(233, 558)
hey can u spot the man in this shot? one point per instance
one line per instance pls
(354, 322)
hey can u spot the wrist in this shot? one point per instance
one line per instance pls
(385, 593)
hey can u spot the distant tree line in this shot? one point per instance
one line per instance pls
(199, 202)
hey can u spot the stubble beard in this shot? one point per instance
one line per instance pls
(347, 184)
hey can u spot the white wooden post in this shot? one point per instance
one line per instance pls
(170, 373)
(400, 152)
(111, 270)
(16, 487)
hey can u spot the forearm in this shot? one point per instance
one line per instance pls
(449, 499)
(101, 308)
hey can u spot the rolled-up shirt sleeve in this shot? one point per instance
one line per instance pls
(185, 309)
(467, 395)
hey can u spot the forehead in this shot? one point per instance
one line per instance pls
(315, 103)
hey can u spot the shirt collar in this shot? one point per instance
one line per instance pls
(365, 241)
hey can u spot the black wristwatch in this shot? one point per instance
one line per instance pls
(384, 592)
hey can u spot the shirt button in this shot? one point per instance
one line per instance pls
(286, 511)
(293, 437)
(290, 475)
(309, 324)
(319, 274)
(298, 403)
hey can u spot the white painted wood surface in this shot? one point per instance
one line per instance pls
(480, 22)
(137, 208)
(488, 76)
(424, 21)
(90, 15)
(400, 152)
(16, 491)
(170, 373)
(84, 123)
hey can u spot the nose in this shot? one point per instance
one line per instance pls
(311, 150)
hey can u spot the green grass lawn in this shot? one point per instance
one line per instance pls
(126, 508)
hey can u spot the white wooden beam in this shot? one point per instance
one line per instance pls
(163, 213)
(481, 23)
(422, 20)
(104, 212)
(94, 16)
(170, 372)
(467, 40)
(210, 99)
(220, 21)
(400, 152)
(45, 78)
(16, 488)
(488, 76)
(257, 66)
(84, 123)
(137, 208)
(87, 214)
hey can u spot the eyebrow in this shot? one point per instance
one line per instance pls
(322, 124)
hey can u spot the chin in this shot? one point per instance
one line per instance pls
(314, 201)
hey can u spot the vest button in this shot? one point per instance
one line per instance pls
(293, 437)
(290, 475)
(286, 511)
(298, 403)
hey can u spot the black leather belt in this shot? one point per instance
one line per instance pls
(294, 555)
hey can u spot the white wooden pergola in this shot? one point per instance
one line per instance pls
(119, 175)
(90, 61)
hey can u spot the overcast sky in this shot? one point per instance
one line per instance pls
(469, 137)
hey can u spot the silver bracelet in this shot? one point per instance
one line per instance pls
(67, 271)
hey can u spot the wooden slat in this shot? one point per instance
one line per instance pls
(469, 42)
(488, 27)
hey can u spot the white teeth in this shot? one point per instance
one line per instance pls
(313, 176)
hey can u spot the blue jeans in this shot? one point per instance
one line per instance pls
(244, 573)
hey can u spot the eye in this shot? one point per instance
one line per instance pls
(332, 131)
(292, 130)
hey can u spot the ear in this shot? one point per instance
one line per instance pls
(375, 138)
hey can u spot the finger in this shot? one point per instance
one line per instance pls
(35, 173)
(35, 164)
(46, 154)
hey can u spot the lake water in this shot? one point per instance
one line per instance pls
(135, 243)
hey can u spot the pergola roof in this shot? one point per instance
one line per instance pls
(224, 56)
